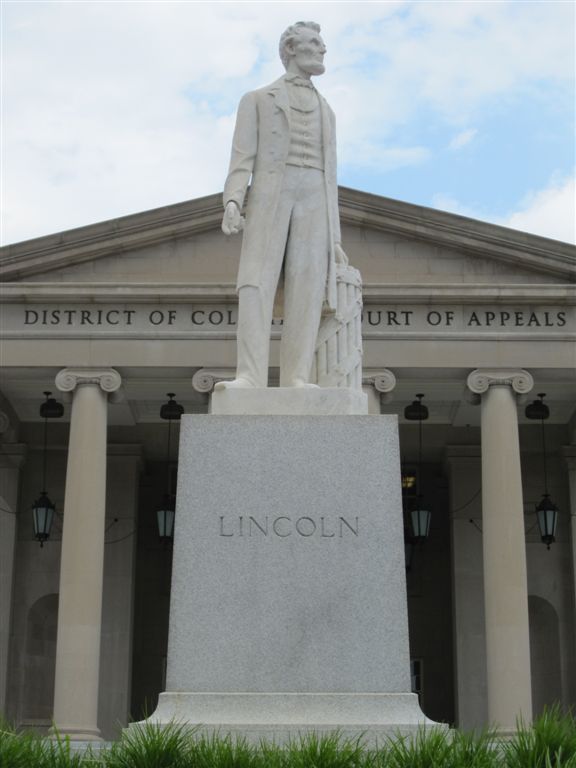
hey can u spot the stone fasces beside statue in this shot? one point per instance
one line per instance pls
(338, 356)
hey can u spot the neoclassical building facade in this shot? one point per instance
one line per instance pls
(109, 318)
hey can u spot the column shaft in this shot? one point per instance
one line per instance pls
(569, 452)
(82, 564)
(11, 459)
(505, 584)
(464, 468)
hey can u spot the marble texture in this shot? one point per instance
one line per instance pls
(288, 606)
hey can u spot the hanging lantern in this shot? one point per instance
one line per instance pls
(416, 411)
(43, 509)
(420, 517)
(51, 408)
(547, 514)
(538, 409)
(420, 523)
(165, 518)
(170, 411)
(42, 515)
(546, 510)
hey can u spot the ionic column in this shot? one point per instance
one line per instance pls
(378, 388)
(82, 559)
(12, 456)
(205, 379)
(504, 549)
(569, 452)
(464, 466)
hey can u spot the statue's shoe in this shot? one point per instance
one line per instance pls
(234, 384)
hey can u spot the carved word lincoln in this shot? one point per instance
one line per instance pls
(284, 526)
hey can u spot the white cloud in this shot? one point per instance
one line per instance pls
(459, 54)
(447, 203)
(550, 212)
(462, 138)
(115, 107)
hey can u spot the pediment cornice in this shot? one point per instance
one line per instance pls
(182, 293)
(466, 235)
(117, 236)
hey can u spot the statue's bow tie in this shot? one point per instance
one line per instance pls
(303, 82)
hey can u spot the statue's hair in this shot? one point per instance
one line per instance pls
(292, 32)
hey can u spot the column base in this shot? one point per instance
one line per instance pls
(280, 717)
(75, 734)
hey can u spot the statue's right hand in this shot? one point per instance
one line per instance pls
(232, 221)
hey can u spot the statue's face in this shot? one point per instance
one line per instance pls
(307, 51)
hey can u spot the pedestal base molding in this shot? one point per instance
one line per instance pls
(280, 717)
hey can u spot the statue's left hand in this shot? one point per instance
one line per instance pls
(340, 256)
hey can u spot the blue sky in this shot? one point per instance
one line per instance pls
(114, 107)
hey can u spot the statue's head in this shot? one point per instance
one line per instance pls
(302, 49)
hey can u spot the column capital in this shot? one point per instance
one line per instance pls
(205, 378)
(480, 380)
(383, 381)
(107, 379)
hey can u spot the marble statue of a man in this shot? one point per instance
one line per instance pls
(285, 146)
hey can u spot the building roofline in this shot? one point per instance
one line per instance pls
(465, 234)
(123, 234)
(428, 293)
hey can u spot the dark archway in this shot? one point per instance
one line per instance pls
(40, 660)
(544, 654)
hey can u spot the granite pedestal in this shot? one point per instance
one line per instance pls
(288, 606)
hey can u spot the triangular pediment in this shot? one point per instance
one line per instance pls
(390, 241)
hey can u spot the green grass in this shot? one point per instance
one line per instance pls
(25, 750)
(223, 752)
(549, 743)
(148, 746)
(16, 750)
(331, 751)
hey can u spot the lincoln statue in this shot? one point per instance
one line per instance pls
(284, 146)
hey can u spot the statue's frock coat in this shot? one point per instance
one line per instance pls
(259, 152)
